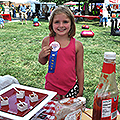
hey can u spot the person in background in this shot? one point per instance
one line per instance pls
(101, 15)
(6, 11)
(2, 21)
(109, 10)
(19, 11)
(65, 55)
(28, 9)
(40, 13)
(23, 13)
(18, 8)
(11, 10)
(46, 12)
(105, 17)
(1, 8)
(14, 11)
(51, 9)
(31, 12)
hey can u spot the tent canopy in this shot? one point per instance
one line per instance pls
(17, 1)
(96, 1)
(70, 3)
(21, 1)
(4, 0)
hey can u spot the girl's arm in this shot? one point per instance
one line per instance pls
(79, 66)
(45, 51)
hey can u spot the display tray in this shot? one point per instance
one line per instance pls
(13, 100)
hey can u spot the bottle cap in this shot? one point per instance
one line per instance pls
(110, 55)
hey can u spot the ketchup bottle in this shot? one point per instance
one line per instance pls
(106, 94)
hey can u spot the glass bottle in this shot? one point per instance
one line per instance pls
(106, 94)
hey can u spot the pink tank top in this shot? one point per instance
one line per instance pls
(64, 77)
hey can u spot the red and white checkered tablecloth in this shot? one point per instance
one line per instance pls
(49, 110)
(46, 113)
(52, 108)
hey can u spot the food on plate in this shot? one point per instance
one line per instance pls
(22, 106)
(4, 101)
(20, 94)
(33, 97)
(69, 108)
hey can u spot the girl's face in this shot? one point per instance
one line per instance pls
(61, 24)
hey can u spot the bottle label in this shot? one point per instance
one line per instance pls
(109, 109)
(109, 68)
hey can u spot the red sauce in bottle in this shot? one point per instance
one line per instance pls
(106, 94)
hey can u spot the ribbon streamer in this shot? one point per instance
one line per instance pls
(52, 61)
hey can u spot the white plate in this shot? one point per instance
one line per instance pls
(50, 94)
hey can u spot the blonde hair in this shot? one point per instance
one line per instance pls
(69, 14)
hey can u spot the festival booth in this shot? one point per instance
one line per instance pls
(42, 9)
(4, 10)
(87, 9)
(115, 10)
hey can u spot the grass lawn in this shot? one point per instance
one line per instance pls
(20, 45)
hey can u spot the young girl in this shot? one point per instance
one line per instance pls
(35, 20)
(65, 56)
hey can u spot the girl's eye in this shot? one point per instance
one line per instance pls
(65, 21)
(56, 21)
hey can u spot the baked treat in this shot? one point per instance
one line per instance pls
(20, 94)
(4, 101)
(69, 108)
(22, 106)
(33, 97)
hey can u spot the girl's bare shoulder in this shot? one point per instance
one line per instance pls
(45, 41)
(78, 45)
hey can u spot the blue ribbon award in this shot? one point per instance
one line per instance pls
(53, 56)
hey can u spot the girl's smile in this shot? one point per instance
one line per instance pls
(61, 24)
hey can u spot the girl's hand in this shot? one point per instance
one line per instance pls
(45, 51)
(43, 55)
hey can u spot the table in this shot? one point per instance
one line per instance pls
(6, 17)
(87, 115)
(86, 16)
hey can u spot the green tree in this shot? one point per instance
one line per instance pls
(61, 2)
(58, 2)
